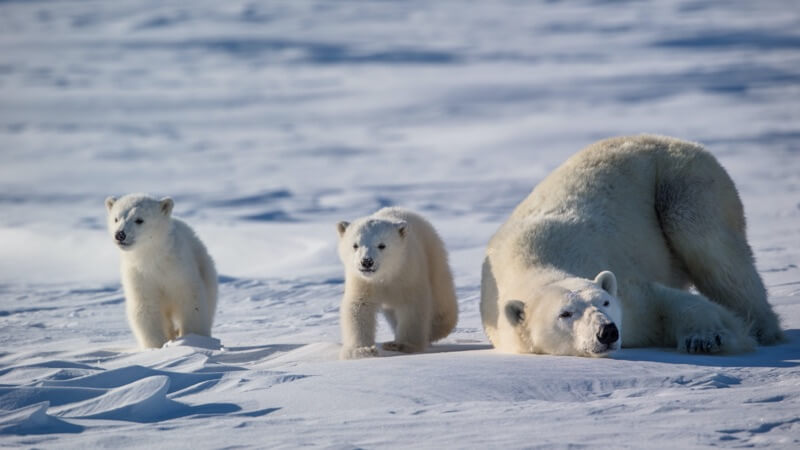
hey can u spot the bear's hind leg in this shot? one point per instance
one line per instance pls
(703, 222)
(445, 303)
(191, 313)
(696, 325)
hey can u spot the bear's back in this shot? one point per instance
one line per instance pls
(610, 176)
(597, 211)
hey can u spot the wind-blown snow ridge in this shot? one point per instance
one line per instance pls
(33, 419)
(132, 392)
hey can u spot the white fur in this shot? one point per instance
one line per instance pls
(659, 213)
(409, 281)
(168, 277)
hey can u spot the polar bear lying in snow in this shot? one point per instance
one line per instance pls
(602, 252)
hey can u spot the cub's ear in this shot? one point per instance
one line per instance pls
(402, 228)
(607, 281)
(515, 312)
(110, 203)
(341, 227)
(166, 206)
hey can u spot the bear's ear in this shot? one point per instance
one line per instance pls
(515, 312)
(607, 281)
(110, 203)
(166, 206)
(341, 227)
(402, 228)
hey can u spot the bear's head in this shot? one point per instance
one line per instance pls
(136, 220)
(573, 316)
(373, 248)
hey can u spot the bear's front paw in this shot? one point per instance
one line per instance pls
(767, 335)
(702, 342)
(400, 347)
(358, 352)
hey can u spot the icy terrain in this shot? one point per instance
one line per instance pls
(269, 122)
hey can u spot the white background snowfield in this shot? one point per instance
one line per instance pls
(269, 122)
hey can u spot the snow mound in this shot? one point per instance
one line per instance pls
(33, 419)
(196, 341)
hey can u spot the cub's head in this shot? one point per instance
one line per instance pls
(575, 316)
(136, 220)
(372, 248)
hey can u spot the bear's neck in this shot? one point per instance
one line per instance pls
(545, 275)
(533, 279)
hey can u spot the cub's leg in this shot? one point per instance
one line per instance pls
(445, 303)
(149, 323)
(144, 307)
(703, 221)
(412, 333)
(191, 309)
(696, 325)
(358, 322)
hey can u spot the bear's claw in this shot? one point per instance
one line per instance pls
(358, 352)
(703, 343)
(397, 347)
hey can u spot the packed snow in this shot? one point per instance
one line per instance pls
(269, 122)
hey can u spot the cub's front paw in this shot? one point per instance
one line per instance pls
(702, 342)
(399, 347)
(358, 352)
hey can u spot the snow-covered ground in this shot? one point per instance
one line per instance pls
(269, 122)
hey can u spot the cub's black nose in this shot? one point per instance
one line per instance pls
(608, 334)
(119, 235)
(367, 263)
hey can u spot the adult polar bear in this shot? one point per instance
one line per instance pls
(659, 214)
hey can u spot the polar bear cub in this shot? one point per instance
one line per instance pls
(394, 262)
(169, 279)
(601, 255)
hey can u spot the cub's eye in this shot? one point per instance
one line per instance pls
(116, 219)
(381, 246)
(139, 221)
(606, 303)
(355, 246)
(565, 315)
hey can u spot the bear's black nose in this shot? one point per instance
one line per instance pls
(119, 235)
(608, 334)
(367, 263)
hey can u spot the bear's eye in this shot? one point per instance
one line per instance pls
(139, 221)
(606, 303)
(116, 219)
(355, 246)
(381, 246)
(565, 315)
